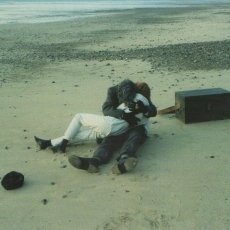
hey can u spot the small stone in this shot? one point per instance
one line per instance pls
(44, 201)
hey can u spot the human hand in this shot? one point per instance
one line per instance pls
(140, 107)
(132, 106)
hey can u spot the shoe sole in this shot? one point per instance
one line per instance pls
(92, 169)
(129, 164)
(76, 163)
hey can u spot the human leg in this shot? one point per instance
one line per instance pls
(124, 165)
(127, 160)
(88, 164)
(71, 132)
(94, 124)
(109, 144)
(62, 141)
(101, 155)
(134, 138)
(82, 135)
(102, 125)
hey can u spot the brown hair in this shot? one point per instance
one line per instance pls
(144, 89)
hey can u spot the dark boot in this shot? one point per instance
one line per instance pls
(42, 144)
(88, 164)
(124, 165)
(63, 146)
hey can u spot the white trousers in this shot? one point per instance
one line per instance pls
(94, 126)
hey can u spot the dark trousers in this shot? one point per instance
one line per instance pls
(130, 141)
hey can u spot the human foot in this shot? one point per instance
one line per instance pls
(124, 165)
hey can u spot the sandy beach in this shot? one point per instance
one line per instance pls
(51, 71)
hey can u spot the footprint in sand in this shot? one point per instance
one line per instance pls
(148, 220)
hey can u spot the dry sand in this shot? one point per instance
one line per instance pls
(182, 178)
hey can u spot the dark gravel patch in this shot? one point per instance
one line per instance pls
(190, 56)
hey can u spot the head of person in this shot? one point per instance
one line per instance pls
(126, 91)
(143, 89)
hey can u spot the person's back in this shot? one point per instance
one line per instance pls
(124, 92)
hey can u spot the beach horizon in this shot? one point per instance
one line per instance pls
(34, 11)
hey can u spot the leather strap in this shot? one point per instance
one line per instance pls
(169, 109)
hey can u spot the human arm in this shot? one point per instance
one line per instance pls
(151, 110)
(109, 107)
(142, 105)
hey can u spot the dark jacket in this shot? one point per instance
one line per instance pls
(109, 107)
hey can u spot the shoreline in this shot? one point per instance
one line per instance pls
(14, 13)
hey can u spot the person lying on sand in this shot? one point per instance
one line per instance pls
(128, 141)
(96, 126)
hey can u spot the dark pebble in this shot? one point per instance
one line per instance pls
(44, 201)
